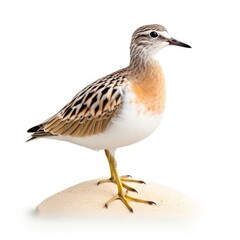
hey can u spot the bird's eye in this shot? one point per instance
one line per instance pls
(153, 34)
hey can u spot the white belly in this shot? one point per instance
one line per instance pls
(131, 126)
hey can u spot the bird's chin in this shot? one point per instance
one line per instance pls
(160, 46)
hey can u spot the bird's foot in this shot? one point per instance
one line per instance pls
(125, 178)
(125, 198)
(111, 179)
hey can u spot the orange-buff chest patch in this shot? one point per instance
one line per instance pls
(149, 90)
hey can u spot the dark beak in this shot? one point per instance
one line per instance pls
(173, 41)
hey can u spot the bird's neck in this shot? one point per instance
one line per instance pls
(144, 66)
(140, 62)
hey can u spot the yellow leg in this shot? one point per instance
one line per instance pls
(121, 195)
(125, 178)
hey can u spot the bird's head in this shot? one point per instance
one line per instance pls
(148, 40)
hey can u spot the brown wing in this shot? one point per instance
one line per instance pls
(89, 112)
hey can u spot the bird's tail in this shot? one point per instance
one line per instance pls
(35, 128)
(37, 131)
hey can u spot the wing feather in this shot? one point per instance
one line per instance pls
(89, 112)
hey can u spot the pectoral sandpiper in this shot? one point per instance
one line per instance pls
(119, 109)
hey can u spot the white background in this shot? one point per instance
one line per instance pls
(49, 50)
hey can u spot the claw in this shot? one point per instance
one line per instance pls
(133, 180)
(105, 181)
(126, 176)
(140, 200)
(129, 188)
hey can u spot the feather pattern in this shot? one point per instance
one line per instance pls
(89, 112)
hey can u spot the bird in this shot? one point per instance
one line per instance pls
(117, 110)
